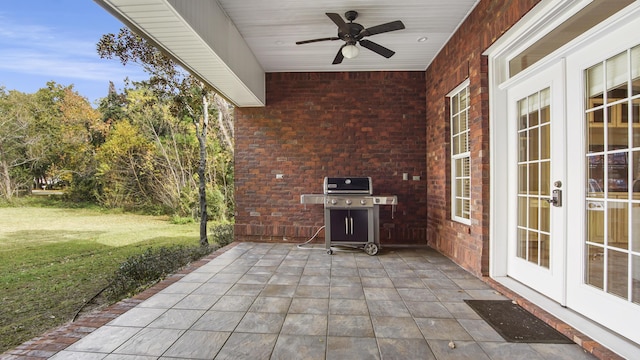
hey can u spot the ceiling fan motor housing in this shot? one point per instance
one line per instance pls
(352, 36)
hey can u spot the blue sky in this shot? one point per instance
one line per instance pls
(45, 40)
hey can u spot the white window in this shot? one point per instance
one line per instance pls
(460, 155)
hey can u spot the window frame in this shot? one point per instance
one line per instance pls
(456, 155)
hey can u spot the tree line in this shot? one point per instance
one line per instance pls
(152, 147)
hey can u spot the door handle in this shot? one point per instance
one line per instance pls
(351, 225)
(556, 198)
(346, 225)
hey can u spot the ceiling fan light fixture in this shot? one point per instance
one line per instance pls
(350, 51)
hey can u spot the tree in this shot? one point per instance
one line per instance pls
(190, 97)
(15, 142)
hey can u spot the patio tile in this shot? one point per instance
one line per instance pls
(246, 289)
(197, 277)
(318, 292)
(181, 288)
(434, 284)
(218, 321)
(480, 330)
(300, 347)
(344, 271)
(305, 324)
(428, 309)
(346, 292)
(395, 328)
(316, 271)
(485, 295)
(262, 270)
(348, 307)
(255, 279)
(309, 306)
(446, 295)
(430, 274)
(400, 272)
(226, 278)
(282, 279)
(561, 351)
(417, 295)
(315, 280)
(246, 346)
(345, 281)
(340, 348)
(197, 302)
(291, 267)
(442, 329)
(151, 342)
(210, 288)
(408, 282)
(77, 355)
(373, 294)
(177, 319)
(350, 325)
(463, 350)
(271, 304)
(264, 323)
(162, 301)
(105, 339)
(137, 317)
(377, 282)
(460, 310)
(233, 303)
(388, 308)
(509, 351)
(198, 345)
(373, 272)
(405, 349)
(278, 290)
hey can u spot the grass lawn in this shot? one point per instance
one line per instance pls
(53, 260)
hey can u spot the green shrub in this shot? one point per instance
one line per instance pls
(139, 272)
(222, 234)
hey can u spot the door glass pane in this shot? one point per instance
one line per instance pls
(635, 281)
(534, 178)
(595, 266)
(595, 222)
(617, 273)
(617, 77)
(613, 163)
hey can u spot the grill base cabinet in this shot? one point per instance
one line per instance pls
(351, 227)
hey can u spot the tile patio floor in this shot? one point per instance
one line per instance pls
(275, 301)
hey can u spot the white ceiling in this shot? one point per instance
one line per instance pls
(271, 28)
(231, 44)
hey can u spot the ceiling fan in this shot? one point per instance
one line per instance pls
(352, 33)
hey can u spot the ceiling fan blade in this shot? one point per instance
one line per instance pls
(339, 57)
(391, 26)
(316, 40)
(377, 48)
(337, 19)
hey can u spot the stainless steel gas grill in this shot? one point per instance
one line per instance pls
(351, 212)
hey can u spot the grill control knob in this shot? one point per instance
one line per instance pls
(334, 201)
(363, 202)
(348, 201)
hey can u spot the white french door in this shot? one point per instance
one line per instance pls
(536, 173)
(604, 271)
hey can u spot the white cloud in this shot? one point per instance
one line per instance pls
(41, 50)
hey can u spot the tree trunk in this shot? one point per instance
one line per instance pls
(202, 141)
(7, 189)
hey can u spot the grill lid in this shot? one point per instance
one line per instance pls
(348, 185)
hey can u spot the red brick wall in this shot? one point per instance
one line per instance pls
(331, 124)
(460, 59)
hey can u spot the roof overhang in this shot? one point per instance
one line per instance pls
(201, 37)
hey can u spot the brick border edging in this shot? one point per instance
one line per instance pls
(588, 344)
(58, 339)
